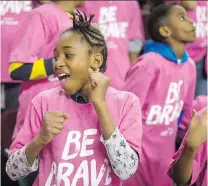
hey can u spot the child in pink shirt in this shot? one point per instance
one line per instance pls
(189, 164)
(82, 133)
(161, 80)
(197, 11)
(12, 12)
(31, 59)
(121, 24)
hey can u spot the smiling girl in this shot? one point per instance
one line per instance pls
(82, 133)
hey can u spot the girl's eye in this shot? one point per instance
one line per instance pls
(182, 18)
(68, 56)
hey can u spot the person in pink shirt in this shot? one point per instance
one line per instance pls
(121, 24)
(198, 49)
(161, 80)
(31, 59)
(198, 104)
(12, 12)
(82, 133)
(189, 163)
(197, 11)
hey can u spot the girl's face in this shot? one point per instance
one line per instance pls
(180, 28)
(73, 60)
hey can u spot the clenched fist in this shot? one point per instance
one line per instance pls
(53, 123)
(99, 85)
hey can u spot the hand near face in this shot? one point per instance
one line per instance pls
(98, 86)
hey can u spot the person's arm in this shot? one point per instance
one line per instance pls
(38, 130)
(188, 5)
(188, 160)
(25, 63)
(39, 69)
(106, 121)
(135, 31)
(124, 145)
(51, 126)
(17, 165)
(123, 158)
(182, 171)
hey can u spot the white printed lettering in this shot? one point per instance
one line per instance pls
(71, 140)
(86, 142)
(64, 176)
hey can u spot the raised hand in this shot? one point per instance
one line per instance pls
(197, 133)
(99, 85)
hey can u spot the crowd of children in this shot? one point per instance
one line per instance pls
(101, 105)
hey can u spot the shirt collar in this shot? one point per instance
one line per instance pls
(77, 97)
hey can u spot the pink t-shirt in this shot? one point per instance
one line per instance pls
(77, 156)
(12, 12)
(198, 49)
(164, 88)
(119, 21)
(36, 39)
(199, 172)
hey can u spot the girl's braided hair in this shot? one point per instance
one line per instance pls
(92, 35)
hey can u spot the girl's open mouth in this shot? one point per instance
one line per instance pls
(63, 76)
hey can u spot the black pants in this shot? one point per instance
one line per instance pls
(11, 94)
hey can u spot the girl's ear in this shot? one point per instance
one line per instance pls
(96, 61)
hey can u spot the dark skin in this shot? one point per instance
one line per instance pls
(179, 30)
(197, 135)
(133, 57)
(73, 57)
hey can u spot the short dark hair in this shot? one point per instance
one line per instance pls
(92, 35)
(156, 19)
